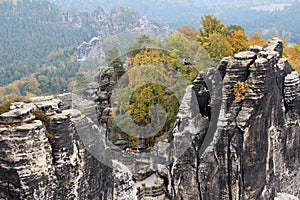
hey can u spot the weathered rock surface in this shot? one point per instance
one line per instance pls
(21, 112)
(120, 23)
(254, 153)
(26, 169)
(31, 168)
(123, 182)
(223, 147)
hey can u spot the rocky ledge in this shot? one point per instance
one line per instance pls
(42, 156)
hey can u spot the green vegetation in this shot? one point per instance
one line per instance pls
(152, 59)
(39, 45)
(220, 40)
(38, 56)
(5, 106)
(39, 115)
(32, 31)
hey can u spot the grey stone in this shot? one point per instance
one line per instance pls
(245, 55)
(22, 112)
(255, 48)
(253, 154)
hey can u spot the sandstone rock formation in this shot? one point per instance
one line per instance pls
(32, 168)
(116, 26)
(229, 142)
(254, 153)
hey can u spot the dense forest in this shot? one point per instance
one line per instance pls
(266, 17)
(279, 22)
(39, 43)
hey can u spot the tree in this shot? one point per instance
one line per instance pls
(220, 40)
(179, 44)
(111, 55)
(211, 24)
(142, 42)
(256, 39)
(238, 40)
(30, 86)
(189, 32)
(293, 55)
(218, 46)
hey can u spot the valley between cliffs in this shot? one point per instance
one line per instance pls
(239, 148)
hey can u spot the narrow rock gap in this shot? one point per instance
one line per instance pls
(249, 66)
(241, 175)
(172, 187)
(203, 96)
(229, 164)
(197, 140)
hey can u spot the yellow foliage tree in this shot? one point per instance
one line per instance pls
(238, 40)
(256, 39)
(240, 89)
(217, 46)
(293, 55)
(220, 40)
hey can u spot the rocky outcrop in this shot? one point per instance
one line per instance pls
(26, 167)
(123, 182)
(254, 153)
(236, 137)
(91, 49)
(119, 24)
(47, 160)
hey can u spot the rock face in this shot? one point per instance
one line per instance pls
(26, 168)
(254, 153)
(91, 49)
(31, 168)
(124, 185)
(236, 137)
(119, 24)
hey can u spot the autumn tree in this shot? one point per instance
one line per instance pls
(189, 32)
(293, 55)
(220, 40)
(256, 39)
(238, 40)
(211, 24)
(30, 86)
(218, 46)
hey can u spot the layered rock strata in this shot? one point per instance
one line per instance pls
(33, 167)
(236, 137)
(254, 153)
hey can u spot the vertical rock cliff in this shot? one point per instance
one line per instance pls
(237, 136)
(47, 160)
(254, 153)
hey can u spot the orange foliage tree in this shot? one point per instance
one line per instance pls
(189, 32)
(293, 55)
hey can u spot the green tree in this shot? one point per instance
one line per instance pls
(220, 40)
(179, 44)
(218, 46)
(111, 55)
(211, 24)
